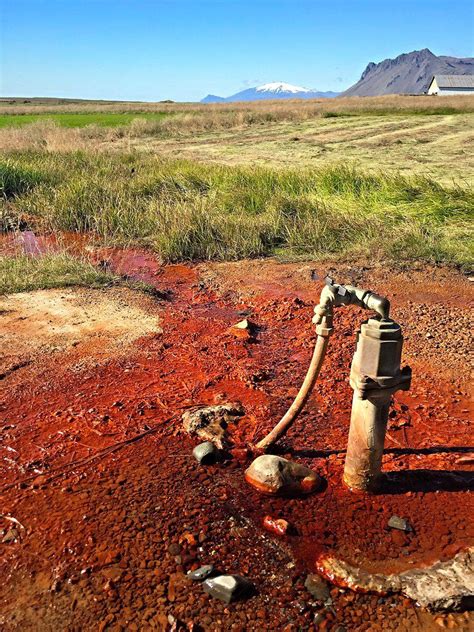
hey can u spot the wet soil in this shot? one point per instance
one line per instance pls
(114, 510)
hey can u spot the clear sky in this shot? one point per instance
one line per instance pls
(184, 49)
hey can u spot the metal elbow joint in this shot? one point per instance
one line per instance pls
(334, 295)
(370, 300)
(378, 304)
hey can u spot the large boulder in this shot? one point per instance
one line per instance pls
(274, 475)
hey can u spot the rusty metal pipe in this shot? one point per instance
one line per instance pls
(375, 376)
(366, 443)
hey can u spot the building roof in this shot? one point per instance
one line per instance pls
(454, 81)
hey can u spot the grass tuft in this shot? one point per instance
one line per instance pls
(16, 179)
(23, 273)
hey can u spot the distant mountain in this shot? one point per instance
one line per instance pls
(212, 98)
(409, 73)
(277, 90)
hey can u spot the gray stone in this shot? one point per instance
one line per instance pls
(443, 586)
(206, 453)
(201, 573)
(210, 423)
(401, 524)
(274, 475)
(228, 587)
(317, 587)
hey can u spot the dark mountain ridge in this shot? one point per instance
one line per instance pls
(409, 73)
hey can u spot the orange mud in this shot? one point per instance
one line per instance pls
(114, 509)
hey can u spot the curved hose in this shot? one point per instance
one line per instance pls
(332, 295)
(300, 400)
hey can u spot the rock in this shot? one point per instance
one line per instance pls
(206, 453)
(10, 536)
(243, 324)
(402, 524)
(210, 423)
(228, 587)
(275, 525)
(399, 538)
(343, 574)
(174, 549)
(274, 475)
(243, 329)
(319, 618)
(201, 573)
(317, 587)
(442, 586)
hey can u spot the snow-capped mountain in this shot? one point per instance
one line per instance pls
(279, 87)
(274, 90)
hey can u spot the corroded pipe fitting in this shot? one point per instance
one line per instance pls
(335, 295)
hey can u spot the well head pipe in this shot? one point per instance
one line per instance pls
(375, 376)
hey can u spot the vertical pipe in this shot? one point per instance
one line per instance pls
(366, 442)
(375, 376)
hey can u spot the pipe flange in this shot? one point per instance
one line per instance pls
(324, 331)
(382, 387)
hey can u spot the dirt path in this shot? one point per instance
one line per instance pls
(115, 511)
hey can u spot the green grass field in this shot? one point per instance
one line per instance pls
(344, 179)
(79, 119)
(186, 210)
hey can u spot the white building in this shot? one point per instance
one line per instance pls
(451, 84)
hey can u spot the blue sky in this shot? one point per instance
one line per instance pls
(184, 49)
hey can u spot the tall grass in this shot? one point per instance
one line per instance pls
(189, 211)
(16, 179)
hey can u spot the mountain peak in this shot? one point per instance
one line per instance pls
(268, 91)
(281, 86)
(409, 73)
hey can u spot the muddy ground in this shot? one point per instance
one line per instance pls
(112, 509)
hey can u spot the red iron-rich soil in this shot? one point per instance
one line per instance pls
(112, 509)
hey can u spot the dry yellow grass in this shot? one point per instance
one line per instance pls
(281, 109)
(436, 146)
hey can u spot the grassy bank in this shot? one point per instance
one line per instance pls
(189, 211)
(22, 273)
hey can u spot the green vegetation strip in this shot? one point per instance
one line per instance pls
(64, 119)
(22, 273)
(190, 211)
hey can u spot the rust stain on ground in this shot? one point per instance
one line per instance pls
(97, 470)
